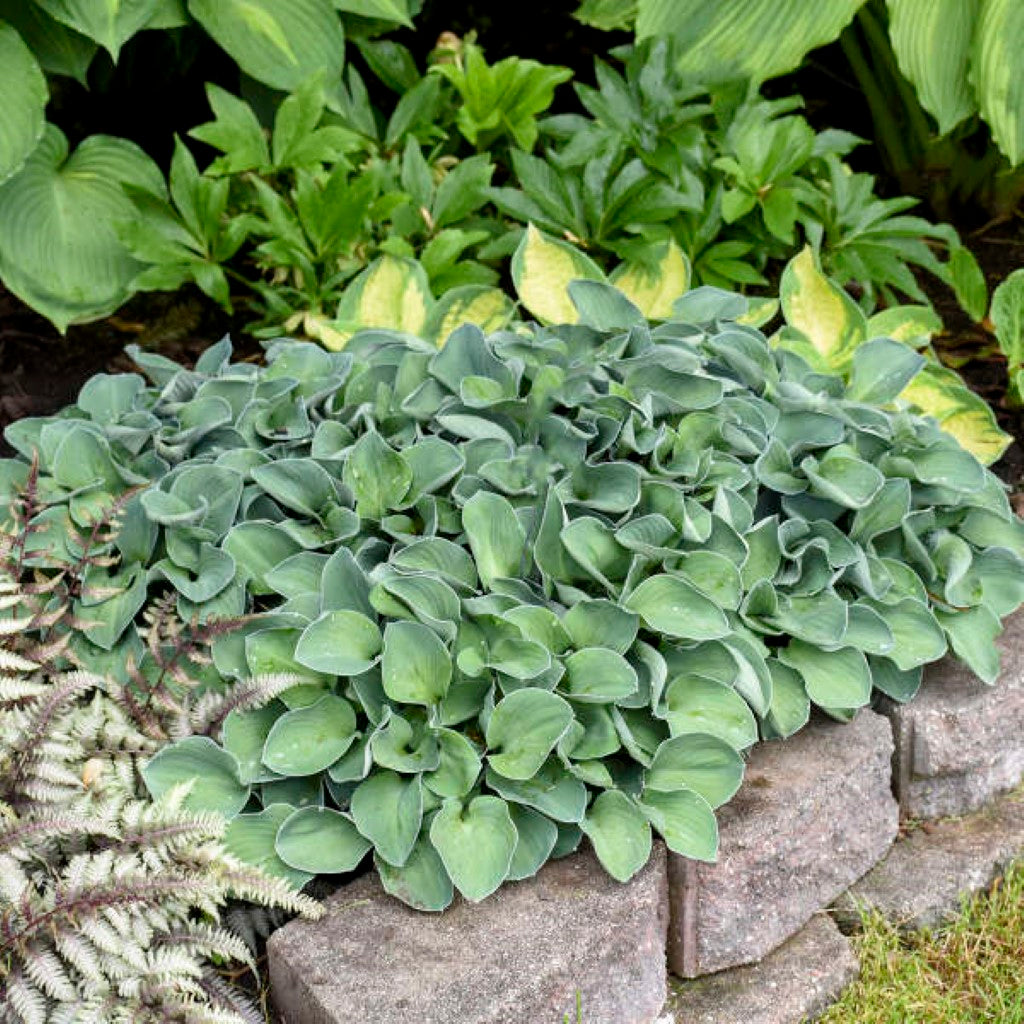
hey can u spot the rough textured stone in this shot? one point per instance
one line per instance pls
(927, 873)
(795, 983)
(521, 955)
(960, 742)
(814, 814)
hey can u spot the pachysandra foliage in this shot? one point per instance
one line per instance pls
(109, 901)
(533, 585)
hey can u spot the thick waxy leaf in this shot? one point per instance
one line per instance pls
(536, 839)
(488, 308)
(25, 94)
(552, 791)
(211, 770)
(415, 666)
(59, 249)
(459, 766)
(377, 475)
(523, 729)
(917, 637)
(684, 820)
(834, 679)
(495, 536)
(882, 368)
(422, 882)
(542, 269)
(707, 765)
(388, 810)
(244, 735)
(598, 675)
(620, 833)
(972, 634)
(281, 45)
(671, 605)
(308, 740)
(476, 842)
(253, 839)
(339, 643)
(697, 704)
(320, 841)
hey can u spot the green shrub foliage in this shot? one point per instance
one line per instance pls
(533, 585)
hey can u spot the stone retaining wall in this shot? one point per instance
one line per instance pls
(816, 814)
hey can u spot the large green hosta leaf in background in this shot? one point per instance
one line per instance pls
(59, 250)
(280, 44)
(58, 49)
(24, 93)
(758, 39)
(111, 23)
(932, 42)
(997, 73)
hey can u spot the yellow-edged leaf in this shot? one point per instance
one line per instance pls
(391, 293)
(759, 312)
(542, 268)
(653, 287)
(913, 325)
(820, 310)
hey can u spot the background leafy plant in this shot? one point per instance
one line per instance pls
(538, 586)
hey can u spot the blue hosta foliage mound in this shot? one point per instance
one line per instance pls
(532, 586)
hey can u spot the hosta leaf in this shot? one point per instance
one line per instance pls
(620, 834)
(684, 820)
(972, 635)
(111, 23)
(756, 39)
(998, 38)
(523, 729)
(476, 842)
(341, 643)
(416, 667)
(377, 475)
(59, 250)
(654, 286)
(670, 605)
(422, 882)
(552, 791)
(280, 45)
(309, 739)
(917, 637)
(705, 764)
(536, 839)
(392, 292)
(495, 536)
(599, 675)
(918, 29)
(882, 369)
(253, 838)
(244, 735)
(834, 679)
(385, 10)
(602, 306)
(820, 310)
(459, 767)
(321, 841)
(696, 704)
(542, 269)
(211, 770)
(388, 810)
(58, 49)
(25, 94)
(790, 707)
(1007, 317)
(489, 308)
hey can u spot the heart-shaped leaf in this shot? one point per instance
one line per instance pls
(416, 667)
(320, 841)
(476, 842)
(523, 729)
(212, 772)
(341, 643)
(620, 833)
(309, 739)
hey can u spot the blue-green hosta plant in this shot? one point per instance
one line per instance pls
(549, 583)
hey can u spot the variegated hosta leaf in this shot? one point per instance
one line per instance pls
(653, 287)
(542, 269)
(821, 311)
(541, 584)
(489, 308)
(755, 39)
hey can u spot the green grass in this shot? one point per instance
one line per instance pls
(969, 972)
